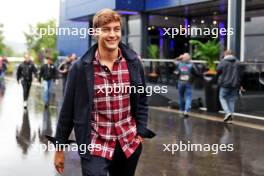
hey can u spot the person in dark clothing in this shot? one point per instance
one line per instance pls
(230, 76)
(64, 68)
(3, 65)
(24, 73)
(48, 73)
(3, 68)
(92, 113)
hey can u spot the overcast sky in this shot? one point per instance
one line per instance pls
(17, 14)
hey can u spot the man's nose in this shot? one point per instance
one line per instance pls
(112, 33)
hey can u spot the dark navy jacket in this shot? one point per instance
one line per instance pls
(78, 98)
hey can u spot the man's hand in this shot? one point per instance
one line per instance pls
(140, 138)
(59, 161)
(242, 89)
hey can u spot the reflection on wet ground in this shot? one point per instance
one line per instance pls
(22, 132)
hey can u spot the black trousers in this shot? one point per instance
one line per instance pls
(26, 88)
(118, 166)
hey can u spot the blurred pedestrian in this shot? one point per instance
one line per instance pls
(230, 76)
(64, 68)
(48, 74)
(185, 71)
(24, 74)
(3, 68)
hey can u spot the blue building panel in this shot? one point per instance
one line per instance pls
(162, 4)
(130, 5)
(67, 44)
(83, 8)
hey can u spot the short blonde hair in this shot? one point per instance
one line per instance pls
(186, 57)
(106, 16)
(228, 52)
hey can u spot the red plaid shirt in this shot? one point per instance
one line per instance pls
(111, 116)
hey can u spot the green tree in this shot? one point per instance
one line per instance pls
(8, 51)
(4, 49)
(40, 42)
(2, 45)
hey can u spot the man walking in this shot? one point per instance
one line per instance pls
(64, 68)
(115, 121)
(186, 72)
(48, 73)
(230, 75)
(3, 68)
(24, 73)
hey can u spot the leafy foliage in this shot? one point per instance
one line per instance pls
(42, 46)
(209, 51)
(2, 45)
(153, 51)
(4, 49)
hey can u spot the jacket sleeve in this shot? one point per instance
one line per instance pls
(54, 73)
(195, 70)
(18, 73)
(40, 73)
(219, 68)
(142, 111)
(65, 121)
(35, 70)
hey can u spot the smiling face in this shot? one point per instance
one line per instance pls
(110, 36)
(109, 23)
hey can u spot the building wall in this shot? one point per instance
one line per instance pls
(133, 5)
(67, 44)
(83, 8)
(161, 4)
(254, 37)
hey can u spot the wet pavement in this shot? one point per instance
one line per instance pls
(22, 132)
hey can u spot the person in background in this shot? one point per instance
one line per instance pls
(48, 73)
(185, 71)
(3, 65)
(64, 68)
(230, 77)
(24, 73)
(3, 68)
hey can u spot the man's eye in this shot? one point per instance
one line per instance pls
(117, 30)
(105, 30)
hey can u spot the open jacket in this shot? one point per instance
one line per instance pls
(78, 99)
(47, 72)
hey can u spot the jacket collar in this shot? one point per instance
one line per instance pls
(230, 57)
(128, 53)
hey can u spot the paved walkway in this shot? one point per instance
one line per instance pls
(22, 132)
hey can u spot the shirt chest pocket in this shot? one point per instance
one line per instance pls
(101, 86)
